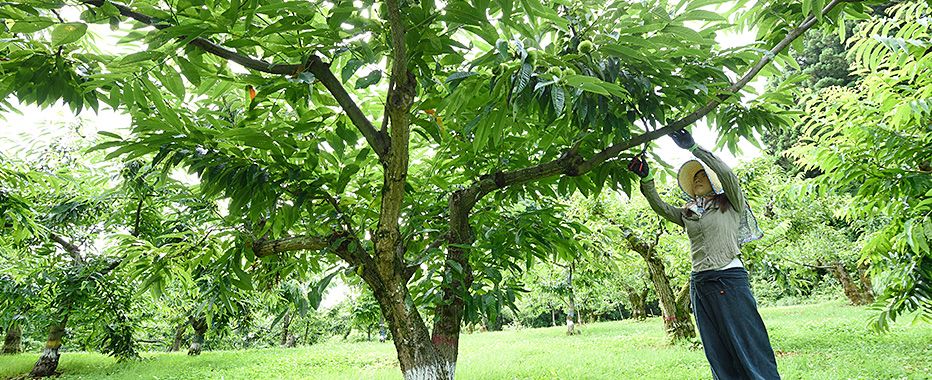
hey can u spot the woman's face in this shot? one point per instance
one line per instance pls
(701, 183)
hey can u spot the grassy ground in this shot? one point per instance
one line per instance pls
(824, 341)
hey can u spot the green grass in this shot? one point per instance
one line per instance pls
(824, 341)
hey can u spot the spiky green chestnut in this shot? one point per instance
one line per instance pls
(556, 71)
(531, 57)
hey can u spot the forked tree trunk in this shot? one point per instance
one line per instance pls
(419, 354)
(197, 342)
(48, 362)
(858, 291)
(677, 325)
(638, 301)
(13, 342)
(179, 336)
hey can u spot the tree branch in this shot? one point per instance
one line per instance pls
(138, 221)
(336, 207)
(289, 244)
(379, 141)
(73, 250)
(316, 66)
(572, 164)
(387, 239)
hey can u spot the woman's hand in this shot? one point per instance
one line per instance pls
(683, 139)
(639, 166)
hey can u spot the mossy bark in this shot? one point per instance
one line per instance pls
(638, 302)
(13, 342)
(858, 290)
(48, 361)
(179, 337)
(197, 342)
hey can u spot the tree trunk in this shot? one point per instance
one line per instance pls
(349, 329)
(866, 284)
(13, 342)
(419, 354)
(48, 362)
(570, 314)
(571, 301)
(288, 340)
(683, 315)
(179, 336)
(638, 301)
(197, 342)
(383, 335)
(858, 292)
(677, 325)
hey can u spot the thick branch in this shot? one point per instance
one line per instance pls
(379, 141)
(572, 164)
(73, 250)
(289, 244)
(338, 242)
(388, 243)
(135, 232)
(321, 71)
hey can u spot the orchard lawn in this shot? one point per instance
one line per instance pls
(822, 341)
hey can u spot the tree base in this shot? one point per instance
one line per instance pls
(46, 365)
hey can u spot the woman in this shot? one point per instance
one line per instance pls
(717, 219)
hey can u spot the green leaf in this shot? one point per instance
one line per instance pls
(243, 280)
(350, 68)
(68, 33)
(189, 70)
(139, 57)
(171, 80)
(595, 85)
(524, 76)
(168, 114)
(558, 99)
(699, 14)
(109, 134)
(31, 24)
(374, 77)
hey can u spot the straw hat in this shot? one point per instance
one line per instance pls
(688, 172)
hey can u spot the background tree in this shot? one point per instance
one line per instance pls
(664, 256)
(806, 235)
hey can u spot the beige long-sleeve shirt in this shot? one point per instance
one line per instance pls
(713, 235)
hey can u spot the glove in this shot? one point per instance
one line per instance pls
(683, 139)
(639, 166)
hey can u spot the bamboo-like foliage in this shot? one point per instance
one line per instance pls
(875, 138)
